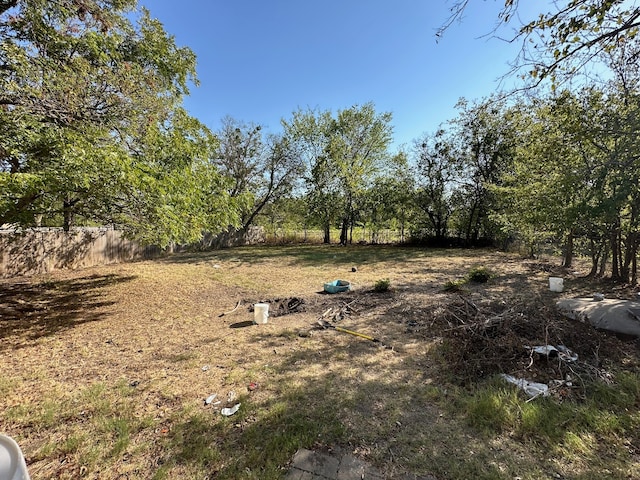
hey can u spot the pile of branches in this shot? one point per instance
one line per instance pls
(338, 313)
(483, 338)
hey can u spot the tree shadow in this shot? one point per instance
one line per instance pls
(308, 255)
(29, 311)
(382, 414)
(39, 250)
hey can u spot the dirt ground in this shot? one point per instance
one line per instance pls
(147, 342)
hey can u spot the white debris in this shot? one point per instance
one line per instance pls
(531, 389)
(227, 412)
(562, 352)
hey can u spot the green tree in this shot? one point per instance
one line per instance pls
(262, 168)
(389, 201)
(438, 168)
(357, 150)
(85, 92)
(485, 139)
(310, 131)
(576, 176)
(542, 194)
(342, 155)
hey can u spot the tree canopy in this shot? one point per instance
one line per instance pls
(93, 132)
(568, 37)
(92, 125)
(342, 154)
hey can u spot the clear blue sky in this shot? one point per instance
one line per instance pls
(259, 60)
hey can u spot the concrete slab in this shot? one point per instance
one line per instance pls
(351, 467)
(293, 474)
(319, 464)
(309, 465)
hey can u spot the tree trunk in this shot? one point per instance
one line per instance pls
(568, 252)
(67, 213)
(472, 214)
(626, 266)
(603, 260)
(595, 257)
(630, 255)
(344, 231)
(615, 255)
(327, 232)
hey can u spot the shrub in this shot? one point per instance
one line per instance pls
(452, 286)
(382, 285)
(479, 275)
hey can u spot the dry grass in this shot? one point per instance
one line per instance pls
(103, 372)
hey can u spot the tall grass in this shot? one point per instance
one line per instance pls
(608, 413)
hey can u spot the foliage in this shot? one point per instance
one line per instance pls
(382, 285)
(309, 130)
(342, 155)
(357, 149)
(575, 176)
(479, 275)
(388, 202)
(263, 169)
(486, 138)
(453, 286)
(476, 275)
(438, 166)
(560, 43)
(456, 168)
(92, 129)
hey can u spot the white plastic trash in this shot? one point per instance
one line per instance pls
(227, 412)
(532, 389)
(556, 284)
(261, 312)
(12, 464)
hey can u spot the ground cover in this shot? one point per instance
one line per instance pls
(104, 371)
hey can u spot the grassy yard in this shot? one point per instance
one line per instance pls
(104, 371)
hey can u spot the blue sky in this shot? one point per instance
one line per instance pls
(259, 60)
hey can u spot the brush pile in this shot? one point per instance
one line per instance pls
(338, 313)
(483, 336)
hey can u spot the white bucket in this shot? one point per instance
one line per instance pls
(260, 312)
(12, 464)
(555, 284)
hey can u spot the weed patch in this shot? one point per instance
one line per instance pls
(382, 285)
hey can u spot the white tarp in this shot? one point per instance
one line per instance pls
(622, 316)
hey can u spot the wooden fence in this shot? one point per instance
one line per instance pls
(34, 251)
(41, 250)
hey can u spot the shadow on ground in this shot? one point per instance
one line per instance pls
(313, 255)
(29, 311)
